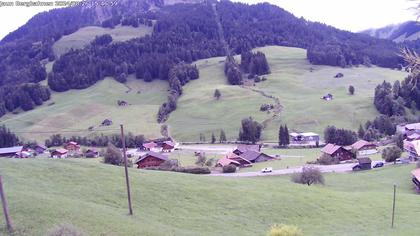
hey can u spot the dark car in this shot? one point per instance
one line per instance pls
(379, 164)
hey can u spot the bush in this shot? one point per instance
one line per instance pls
(285, 230)
(326, 159)
(65, 230)
(309, 176)
(194, 170)
(391, 154)
(113, 155)
(229, 169)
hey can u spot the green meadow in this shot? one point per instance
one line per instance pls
(43, 193)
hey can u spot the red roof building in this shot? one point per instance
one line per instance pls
(168, 146)
(226, 161)
(149, 146)
(337, 152)
(150, 159)
(242, 162)
(364, 148)
(72, 146)
(59, 153)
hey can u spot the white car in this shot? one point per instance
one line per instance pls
(267, 170)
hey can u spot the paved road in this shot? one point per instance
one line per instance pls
(341, 168)
(209, 148)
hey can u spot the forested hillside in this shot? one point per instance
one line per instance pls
(182, 33)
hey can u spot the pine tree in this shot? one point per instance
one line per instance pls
(361, 132)
(281, 136)
(213, 138)
(286, 136)
(222, 138)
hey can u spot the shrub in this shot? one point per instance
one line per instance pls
(326, 159)
(309, 176)
(391, 154)
(284, 230)
(65, 230)
(113, 155)
(229, 169)
(351, 89)
(194, 170)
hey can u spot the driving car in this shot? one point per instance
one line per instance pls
(379, 164)
(267, 170)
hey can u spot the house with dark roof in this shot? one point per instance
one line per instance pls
(151, 146)
(226, 161)
(364, 148)
(10, 151)
(39, 149)
(150, 159)
(241, 148)
(338, 152)
(255, 157)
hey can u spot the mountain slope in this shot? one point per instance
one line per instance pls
(407, 31)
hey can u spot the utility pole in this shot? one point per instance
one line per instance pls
(5, 208)
(130, 209)
(393, 206)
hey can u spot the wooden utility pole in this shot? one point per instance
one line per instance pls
(393, 206)
(127, 181)
(5, 208)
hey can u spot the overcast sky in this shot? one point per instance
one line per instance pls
(353, 15)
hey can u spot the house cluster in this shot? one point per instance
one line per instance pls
(73, 149)
(159, 146)
(244, 156)
(22, 151)
(360, 150)
(411, 133)
(154, 152)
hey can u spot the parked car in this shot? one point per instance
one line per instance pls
(378, 165)
(267, 170)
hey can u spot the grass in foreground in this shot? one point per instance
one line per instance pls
(43, 193)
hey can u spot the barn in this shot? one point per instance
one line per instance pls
(364, 148)
(150, 159)
(10, 151)
(337, 152)
(256, 157)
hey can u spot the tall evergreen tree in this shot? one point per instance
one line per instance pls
(286, 136)
(213, 138)
(222, 137)
(281, 136)
(361, 131)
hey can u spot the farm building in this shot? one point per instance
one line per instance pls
(59, 153)
(10, 151)
(39, 149)
(150, 159)
(168, 146)
(364, 148)
(416, 178)
(242, 161)
(308, 138)
(255, 157)
(413, 148)
(365, 163)
(244, 147)
(72, 146)
(337, 152)
(226, 161)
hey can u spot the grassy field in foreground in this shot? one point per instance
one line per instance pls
(85, 35)
(298, 89)
(80, 109)
(43, 193)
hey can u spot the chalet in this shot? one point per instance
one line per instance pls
(151, 146)
(255, 157)
(337, 152)
(244, 147)
(226, 161)
(91, 153)
(364, 148)
(413, 148)
(242, 161)
(308, 138)
(168, 146)
(327, 97)
(150, 159)
(10, 151)
(365, 163)
(409, 129)
(39, 149)
(416, 178)
(59, 153)
(72, 146)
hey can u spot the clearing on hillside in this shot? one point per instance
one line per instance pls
(85, 35)
(298, 89)
(40, 196)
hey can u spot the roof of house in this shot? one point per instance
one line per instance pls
(150, 145)
(364, 160)
(416, 173)
(41, 146)
(245, 147)
(414, 136)
(252, 155)
(226, 161)
(61, 150)
(235, 157)
(72, 143)
(153, 154)
(360, 144)
(414, 126)
(330, 148)
(170, 143)
(11, 150)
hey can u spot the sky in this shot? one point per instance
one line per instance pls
(352, 15)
